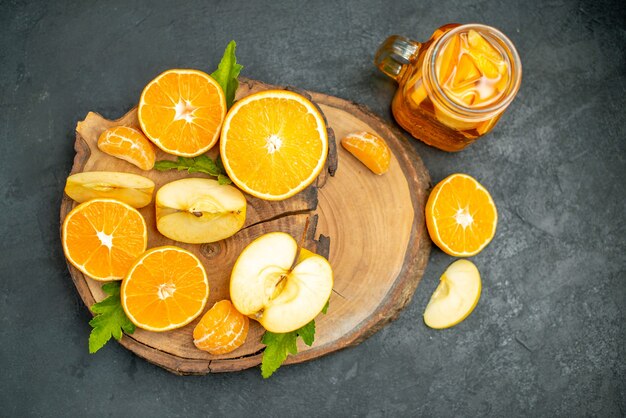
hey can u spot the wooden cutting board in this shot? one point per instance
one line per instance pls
(370, 227)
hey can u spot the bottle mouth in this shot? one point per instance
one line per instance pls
(509, 52)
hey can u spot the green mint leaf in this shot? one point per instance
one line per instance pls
(307, 333)
(200, 164)
(223, 180)
(205, 163)
(227, 72)
(220, 164)
(110, 319)
(165, 165)
(186, 161)
(279, 346)
(325, 308)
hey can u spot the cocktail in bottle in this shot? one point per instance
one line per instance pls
(454, 87)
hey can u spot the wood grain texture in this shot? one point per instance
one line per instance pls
(371, 227)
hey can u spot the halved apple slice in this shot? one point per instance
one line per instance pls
(271, 286)
(198, 210)
(131, 189)
(456, 296)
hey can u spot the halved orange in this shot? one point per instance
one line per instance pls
(274, 144)
(103, 237)
(461, 216)
(166, 288)
(128, 144)
(182, 111)
(222, 329)
(370, 149)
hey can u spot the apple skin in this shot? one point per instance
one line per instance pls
(456, 296)
(196, 210)
(132, 189)
(265, 287)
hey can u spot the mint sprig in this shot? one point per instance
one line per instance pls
(227, 72)
(200, 164)
(279, 346)
(110, 320)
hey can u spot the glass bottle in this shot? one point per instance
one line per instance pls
(453, 88)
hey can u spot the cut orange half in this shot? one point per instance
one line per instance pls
(182, 111)
(274, 144)
(166, 288)
(461, 216)
(103, 237)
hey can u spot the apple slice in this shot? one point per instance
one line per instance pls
(269, 284)
(131, 189)
(197, 210)
(456, 296)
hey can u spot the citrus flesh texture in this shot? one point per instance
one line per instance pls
(166, 288)
(370, 149)
(221, 330)
(103, 237)
(129, 145)
(274, 144)
(181, 111)
(461, 216)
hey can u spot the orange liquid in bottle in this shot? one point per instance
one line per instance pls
(471, 73)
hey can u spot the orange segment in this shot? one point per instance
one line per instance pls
(478, 43)
(467, 73)
(182, 111)
(461, 216)
(447, 59)
(166, 288)
(370, 149)
(128, 144)
(274, 144)
(472, 71)
(222, 329)
(103, 237)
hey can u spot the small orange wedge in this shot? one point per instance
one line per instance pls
(128, 144)
(370, 149)
(461, 216)
(166, 288)
(103, 237)
(181, 112)
(273, 144)
(222, 329)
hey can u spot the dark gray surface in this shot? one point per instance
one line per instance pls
(547, 338)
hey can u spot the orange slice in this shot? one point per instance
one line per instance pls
(447, 59)
(274, 144)
(182, 111)
(103, 237)
(166, 288)
(128, 144)
(461, 216)
(222, 329)
(370, 149)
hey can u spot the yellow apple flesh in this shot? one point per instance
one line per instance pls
(197, 210)
(132, 189)
(268, 286)
(456, 296)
